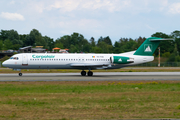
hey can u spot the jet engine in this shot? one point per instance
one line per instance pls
(121, 60)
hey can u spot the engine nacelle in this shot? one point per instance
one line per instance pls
(121, 60)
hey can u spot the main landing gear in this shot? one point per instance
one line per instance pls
(90, 73)
(83, 73)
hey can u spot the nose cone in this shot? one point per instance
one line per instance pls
(5, 64)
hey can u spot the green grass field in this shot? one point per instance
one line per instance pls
(90, 100)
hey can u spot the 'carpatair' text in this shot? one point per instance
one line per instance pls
(43, 56)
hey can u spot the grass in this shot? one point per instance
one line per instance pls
(90, 100)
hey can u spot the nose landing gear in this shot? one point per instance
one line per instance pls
(20, 74)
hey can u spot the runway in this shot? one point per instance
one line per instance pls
(98, 76)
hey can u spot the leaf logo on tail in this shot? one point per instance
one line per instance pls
(148, 48)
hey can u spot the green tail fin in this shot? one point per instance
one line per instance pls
(149, 46)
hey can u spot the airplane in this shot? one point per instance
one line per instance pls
(89, 61)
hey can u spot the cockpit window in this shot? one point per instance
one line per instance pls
(14, 58)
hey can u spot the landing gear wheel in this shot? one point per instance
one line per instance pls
(20, 74)
(90, 73)
(83, 73)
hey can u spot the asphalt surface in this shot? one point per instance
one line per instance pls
(98, 76)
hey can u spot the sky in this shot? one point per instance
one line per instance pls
(91, 18)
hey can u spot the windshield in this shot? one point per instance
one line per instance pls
(14, 58)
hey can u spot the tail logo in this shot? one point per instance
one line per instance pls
(147, 48)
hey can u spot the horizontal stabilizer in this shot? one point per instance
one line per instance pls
(154, 40)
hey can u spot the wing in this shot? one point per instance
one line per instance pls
(89, 66)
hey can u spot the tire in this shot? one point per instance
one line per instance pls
(83, 73)
(20, 74)
(90, 73)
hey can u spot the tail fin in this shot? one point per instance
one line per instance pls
(149, 46)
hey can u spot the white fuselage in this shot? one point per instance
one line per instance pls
(71, 61)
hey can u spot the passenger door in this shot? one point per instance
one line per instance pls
(24, 60)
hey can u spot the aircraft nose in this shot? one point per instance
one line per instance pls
(5, 64)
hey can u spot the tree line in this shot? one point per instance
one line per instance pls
(10, 39)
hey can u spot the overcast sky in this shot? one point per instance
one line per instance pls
(91, 18)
